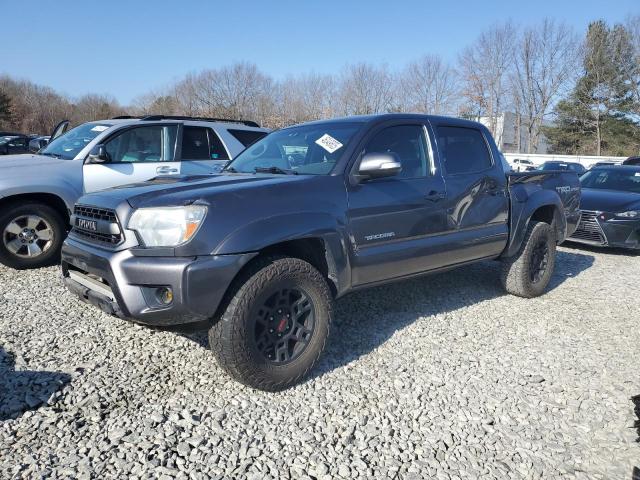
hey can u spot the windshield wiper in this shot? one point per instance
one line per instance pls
(275, 170)
(48, 154)
(230, 170)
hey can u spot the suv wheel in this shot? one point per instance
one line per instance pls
(31, 236)
(275, 324)
(528, 273)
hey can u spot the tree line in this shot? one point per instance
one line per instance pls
(580, 91)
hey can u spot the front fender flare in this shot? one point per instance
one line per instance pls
(266, 232)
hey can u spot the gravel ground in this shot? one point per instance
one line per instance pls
(443, 376)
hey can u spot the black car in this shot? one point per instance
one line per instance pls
(14, 144)
(610, 207)
(632, 161)
(571, 166)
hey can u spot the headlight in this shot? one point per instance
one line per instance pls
(167, 226)
(629, 214)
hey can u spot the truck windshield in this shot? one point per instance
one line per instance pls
(306, 149)
(67, 146)
(615, 178)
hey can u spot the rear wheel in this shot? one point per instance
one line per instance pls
(31, 236)
(527, 274)
(275, 324)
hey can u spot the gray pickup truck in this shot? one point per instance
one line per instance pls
(37, 192)
(304, 216)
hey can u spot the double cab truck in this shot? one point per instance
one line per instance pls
(38, 191)
(304, 216)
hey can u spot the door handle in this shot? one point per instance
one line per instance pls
(434, 195)
(166, 170)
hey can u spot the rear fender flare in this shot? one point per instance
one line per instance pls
(522, 211)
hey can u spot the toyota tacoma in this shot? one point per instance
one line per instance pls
(304, 216)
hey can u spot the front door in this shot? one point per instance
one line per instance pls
(393, 221)
(135, 155)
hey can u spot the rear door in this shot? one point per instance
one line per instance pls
(202, 151)
(478, 207)
(135, 154)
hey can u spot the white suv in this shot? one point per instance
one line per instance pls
(37, 192)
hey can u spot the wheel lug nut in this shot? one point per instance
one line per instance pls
(271, 330)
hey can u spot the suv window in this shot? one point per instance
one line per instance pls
(143, 144)
(408, 143)
(463, 150)
(246, 137)
(200, 143)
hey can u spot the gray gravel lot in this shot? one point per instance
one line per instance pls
(444, 376)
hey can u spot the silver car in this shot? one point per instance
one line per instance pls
(38, 191)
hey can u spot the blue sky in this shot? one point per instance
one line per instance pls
(126, 48)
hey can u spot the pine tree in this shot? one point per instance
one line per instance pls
(597, 117)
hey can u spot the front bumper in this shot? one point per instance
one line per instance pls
(604, 230)
(123, 284)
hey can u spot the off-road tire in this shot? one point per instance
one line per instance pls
(231, 336)
(59, 227)
(517, 270)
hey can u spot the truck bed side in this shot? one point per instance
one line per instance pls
(551, 196)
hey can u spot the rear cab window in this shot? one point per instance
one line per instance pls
(463, 150)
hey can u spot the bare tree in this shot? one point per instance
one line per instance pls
(484, 69)
(95, 107)
(544, 64)
(304, 98)
(366, 89)
(428, 85)
(238, 91)
(34, 108)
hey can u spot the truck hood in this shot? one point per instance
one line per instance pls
(182, 190)
(613, 201)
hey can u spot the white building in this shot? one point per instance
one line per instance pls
(507, 131)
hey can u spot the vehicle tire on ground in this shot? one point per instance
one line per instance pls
(528, 272)
(31, 235)
(275, 323)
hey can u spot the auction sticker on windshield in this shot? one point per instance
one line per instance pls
(329, 143)
(99, 128)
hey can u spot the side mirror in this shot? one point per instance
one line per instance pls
(99, 155)
(378, 165)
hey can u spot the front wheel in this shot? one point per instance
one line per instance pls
(527, 273)
(31, 236)
(275, 324)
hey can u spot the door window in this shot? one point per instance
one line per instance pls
(143, 144)
(408, 143)
(200, 143)
(463, 150)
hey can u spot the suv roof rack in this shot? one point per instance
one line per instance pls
(151, 118)
(123, 117)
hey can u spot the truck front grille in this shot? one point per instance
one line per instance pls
(99, 214)
(589, 229)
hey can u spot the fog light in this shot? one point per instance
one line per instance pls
(164, 295)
